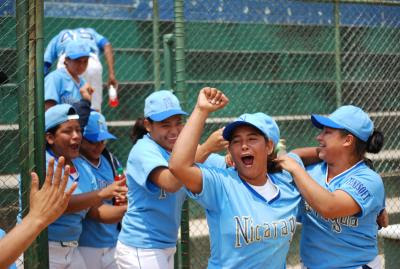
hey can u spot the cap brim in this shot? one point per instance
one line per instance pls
(228, 130)
(99, 137)
(75, 56)
(166, 114)
(322, 121)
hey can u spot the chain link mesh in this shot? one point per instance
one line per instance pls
(284, 58)
(280, 57)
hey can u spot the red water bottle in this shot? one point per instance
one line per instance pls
(119, 176)
(112, 97)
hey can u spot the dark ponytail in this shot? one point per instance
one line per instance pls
(272, 166)
(138, 130)
(373, 145)
(375, 142)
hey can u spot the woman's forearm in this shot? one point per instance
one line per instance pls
(83, 201)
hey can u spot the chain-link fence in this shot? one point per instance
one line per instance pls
(293, 58)
(285, 58)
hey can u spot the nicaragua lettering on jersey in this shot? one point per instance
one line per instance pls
(336, 223)
(345, 242)
(247, 232)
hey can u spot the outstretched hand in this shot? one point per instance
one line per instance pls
(50, 202)
(211, 99)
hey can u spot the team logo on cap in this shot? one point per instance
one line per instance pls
(168, 103)
(102, 125)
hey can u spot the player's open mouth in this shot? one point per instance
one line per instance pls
(75, 147)
(248, 160)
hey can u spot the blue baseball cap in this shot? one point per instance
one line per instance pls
(260, 121)
(161, 105)
(59, 114)
(350, 118)
(76, 49)
(96, 129)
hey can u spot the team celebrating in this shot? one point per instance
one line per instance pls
(253, 197)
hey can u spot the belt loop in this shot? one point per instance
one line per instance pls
(73, 244)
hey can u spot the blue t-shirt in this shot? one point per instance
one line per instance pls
(246, 230)
(68, 227)
(153, 216)
(57, 44)
(96, 234)
(60, 87)
(2, 234)
(347, 242)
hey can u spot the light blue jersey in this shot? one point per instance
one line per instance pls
(57, 45)
(60, 87)
(347, 242)
(2, 234)
(153, 216)
(94, 233)
(68, 227)
(246, 230)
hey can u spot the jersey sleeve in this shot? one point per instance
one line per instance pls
(213, 194)
(50, 54)
(142, 160)
(51, 87)
(297, 158)
(101, 41)
(367, 190)
(215, 160)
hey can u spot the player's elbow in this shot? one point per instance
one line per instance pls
(175, 168)
(328, 211)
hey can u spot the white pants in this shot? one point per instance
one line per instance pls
(140, 258)
(376, 263)
(64, 257)
(98, 258)
(93, 75)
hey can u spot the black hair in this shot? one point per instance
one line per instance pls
(138, 130)
(373, 145)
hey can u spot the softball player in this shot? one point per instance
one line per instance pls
(63, 85)
(63, 138)
(56, 50)
(251, 212)
(155, 197)
(98, 240)
(339, 224)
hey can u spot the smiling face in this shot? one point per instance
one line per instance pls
(165, 132)
(66, 140)
(92, 150)
(78, 66)
(332, 144)
(249, 150)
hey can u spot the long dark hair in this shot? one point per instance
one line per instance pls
(373, 145)
(138, 130)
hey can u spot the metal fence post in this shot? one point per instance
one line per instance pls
(338, 61)
(156, 46)
(31, 112)
(168, 42)
(39, 144)
(183, 248)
